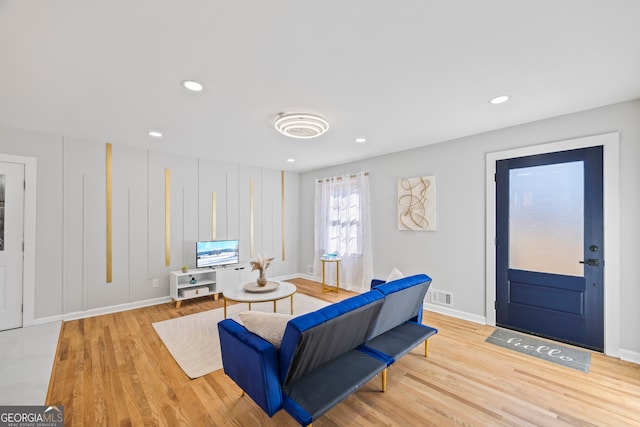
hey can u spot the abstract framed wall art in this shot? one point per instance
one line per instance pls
(417, 203)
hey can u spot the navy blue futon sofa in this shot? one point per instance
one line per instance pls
(327, 354)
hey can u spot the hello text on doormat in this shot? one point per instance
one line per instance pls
(546, 350)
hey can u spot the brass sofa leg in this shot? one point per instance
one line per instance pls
(384, 380)
(426, 348)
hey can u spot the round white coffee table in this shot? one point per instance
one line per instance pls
(238, 294)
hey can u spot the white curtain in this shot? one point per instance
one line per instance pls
(343, 226)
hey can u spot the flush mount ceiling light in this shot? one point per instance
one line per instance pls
(155, 134)
(192, 85)
(301, 125)
(360, 140)
(499, 99)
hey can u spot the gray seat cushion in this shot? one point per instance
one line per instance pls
(328, 385)
(400, 340)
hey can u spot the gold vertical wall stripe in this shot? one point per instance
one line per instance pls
(251, 248)
(214, 207)
(167, 217)
(109, 167)
(282, 208)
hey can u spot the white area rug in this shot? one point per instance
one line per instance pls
(193, 340)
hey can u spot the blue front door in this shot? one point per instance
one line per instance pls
(549, 246)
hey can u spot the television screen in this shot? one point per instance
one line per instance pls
(216, 253)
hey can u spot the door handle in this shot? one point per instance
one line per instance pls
(591, 261)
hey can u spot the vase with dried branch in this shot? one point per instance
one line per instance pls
(261, 264)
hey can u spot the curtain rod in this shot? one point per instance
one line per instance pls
(339, 178)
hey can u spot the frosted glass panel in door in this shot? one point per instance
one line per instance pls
(546, 229)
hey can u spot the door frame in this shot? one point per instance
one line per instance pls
(29, 264)
(611, 189)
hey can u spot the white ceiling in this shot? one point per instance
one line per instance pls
(402, 74)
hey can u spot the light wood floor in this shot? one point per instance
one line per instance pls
(113, 370)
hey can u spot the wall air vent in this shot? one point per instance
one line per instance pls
(440, 297)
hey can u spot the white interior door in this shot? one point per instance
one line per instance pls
(11, 244)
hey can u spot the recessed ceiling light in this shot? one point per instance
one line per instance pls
(291, 160)
(499, 99)
(192, 85)
(360, 140)
(155, 134)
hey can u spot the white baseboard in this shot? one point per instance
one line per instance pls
(102, 310)
(291, 276)
(455, 313)
(630, 356)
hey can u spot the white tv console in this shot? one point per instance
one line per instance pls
(208, 281)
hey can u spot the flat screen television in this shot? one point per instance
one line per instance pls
(216, 253)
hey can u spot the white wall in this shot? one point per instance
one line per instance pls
(71, 219)
(454, 255)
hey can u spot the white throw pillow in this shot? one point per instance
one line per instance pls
(394, 275)
(269, 326)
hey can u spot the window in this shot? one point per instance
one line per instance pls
(344, 220)
(342, 227)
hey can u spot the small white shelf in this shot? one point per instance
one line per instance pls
(181, 288)
(214, 279)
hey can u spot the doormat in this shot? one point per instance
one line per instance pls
(547, 350)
